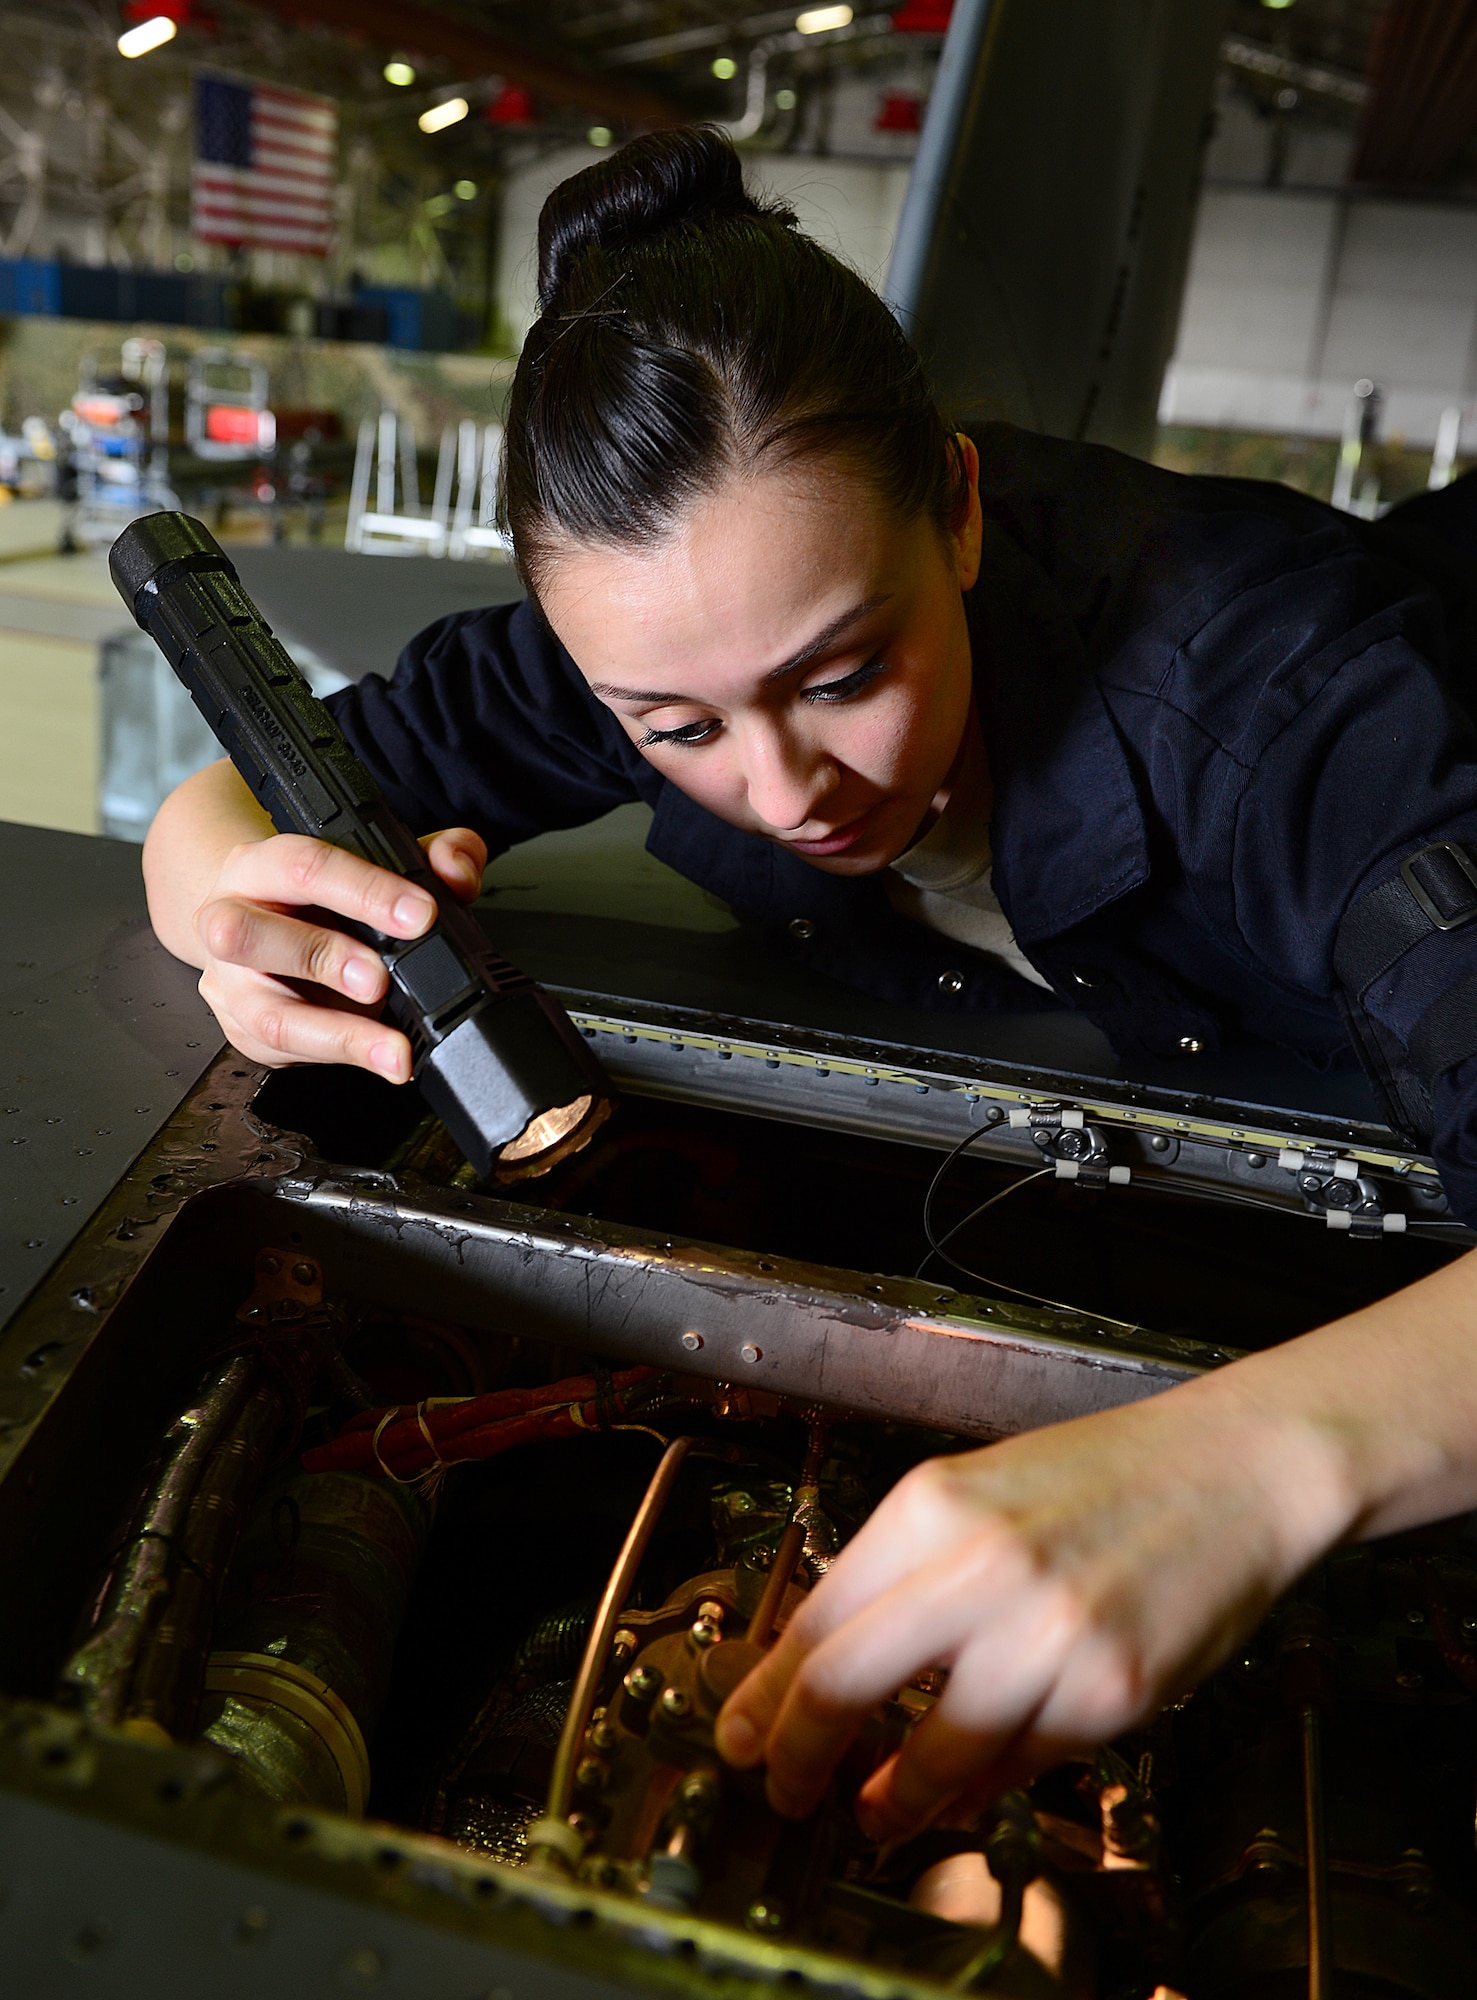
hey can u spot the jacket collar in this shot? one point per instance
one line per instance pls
(1067, 827)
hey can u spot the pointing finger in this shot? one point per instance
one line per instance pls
(292, 870)
(237, 932)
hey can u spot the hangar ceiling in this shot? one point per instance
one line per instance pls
(95, 150)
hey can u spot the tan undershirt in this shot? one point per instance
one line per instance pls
(944, 879)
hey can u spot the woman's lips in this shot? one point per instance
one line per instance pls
(843, 837)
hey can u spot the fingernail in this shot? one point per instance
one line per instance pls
(738, 1740)
(388, 1061)
(414, 911)
(360, 977)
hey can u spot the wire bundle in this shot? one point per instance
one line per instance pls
(406, 1440)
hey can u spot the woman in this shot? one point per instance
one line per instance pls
(987, 721)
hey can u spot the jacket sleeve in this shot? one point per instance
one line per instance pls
(1353, 758)
(487, 723)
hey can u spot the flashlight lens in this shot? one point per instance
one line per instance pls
(545, 1131)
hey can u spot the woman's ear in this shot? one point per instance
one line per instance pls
(968, 529)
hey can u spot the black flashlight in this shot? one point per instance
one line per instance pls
(499, 1062)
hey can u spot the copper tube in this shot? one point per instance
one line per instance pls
(792, 1542)
(1315, 1847)
(786, 1556)
(602, 1629)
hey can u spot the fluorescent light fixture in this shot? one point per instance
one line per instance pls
(147, 35)
(399, 73)
(820, 20)
(600, 135)
(452, 112)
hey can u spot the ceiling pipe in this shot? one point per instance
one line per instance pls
(756, 94)
(393, 25)
(756, 91)
(711, 35)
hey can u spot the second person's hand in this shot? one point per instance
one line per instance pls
(1071, 1580)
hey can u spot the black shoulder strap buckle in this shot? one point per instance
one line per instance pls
(1443, 880)
(1435, 890)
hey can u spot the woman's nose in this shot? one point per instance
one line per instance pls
(787, 781)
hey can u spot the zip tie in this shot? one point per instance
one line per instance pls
(438, 1464)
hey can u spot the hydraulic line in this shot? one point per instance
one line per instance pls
(792, 1541)
(170, 1671)
(101, 1670)
(552, 1838)
(781, 1570)
(1315, 1842)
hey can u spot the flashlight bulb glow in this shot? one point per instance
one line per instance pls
(547, 1130)
(452, 112)
(147, 35)
(820, 20)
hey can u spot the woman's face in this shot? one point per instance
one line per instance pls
(792, 656)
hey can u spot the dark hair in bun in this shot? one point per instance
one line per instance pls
(687, 331)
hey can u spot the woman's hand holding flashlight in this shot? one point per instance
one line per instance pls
(248, 906)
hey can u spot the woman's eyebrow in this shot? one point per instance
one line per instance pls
(827, 636)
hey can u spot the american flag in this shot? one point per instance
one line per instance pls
(264, 166)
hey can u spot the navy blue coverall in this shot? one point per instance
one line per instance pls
(1217, 714)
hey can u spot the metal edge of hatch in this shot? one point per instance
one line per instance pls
(900, 1347)
(109, 1848)
(1350, 1176)
(135, 1870)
